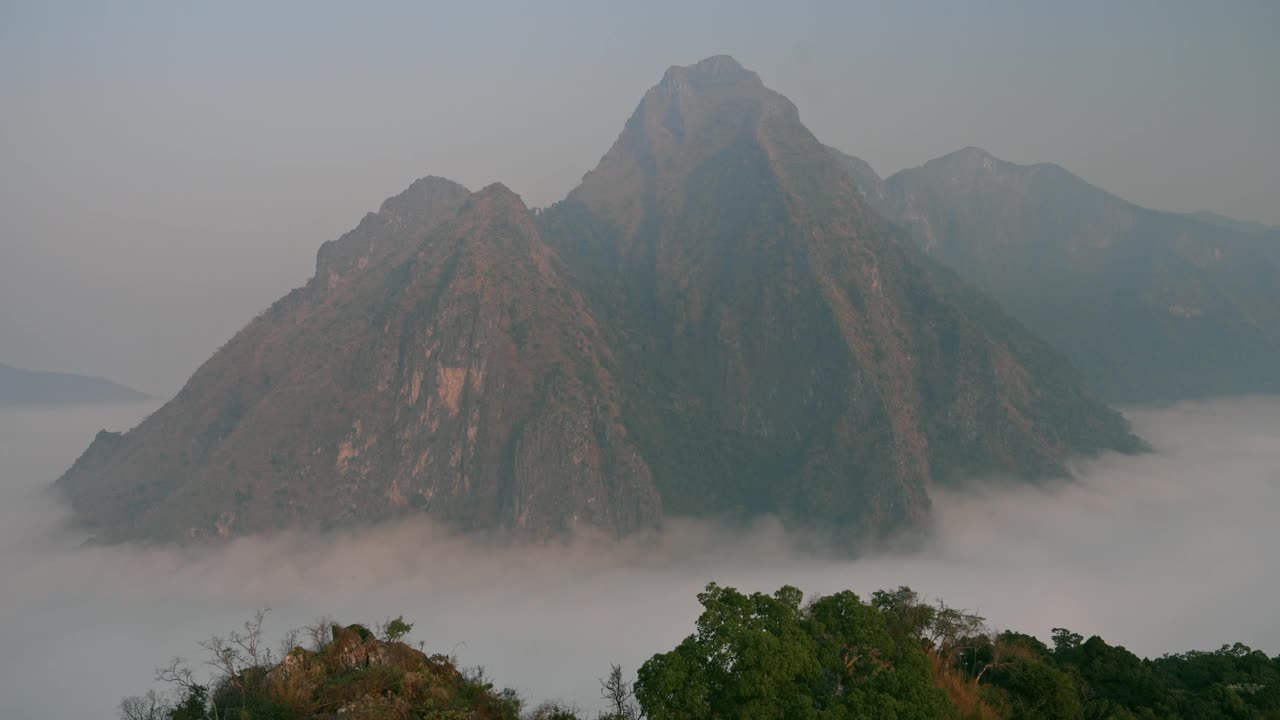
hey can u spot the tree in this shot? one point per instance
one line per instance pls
(194, 697)
(289, 641)
(750, 656)
(951, 628)
(905, 614)
(765, 656)
(869, 671)
(945, 629)
(320, 632)
(1007, 648)
(151, 706)
(395, 629)
(618, 696)
(553, 710)
(1036, 690)
(193, 706)
(238, 653)
(1064, 641)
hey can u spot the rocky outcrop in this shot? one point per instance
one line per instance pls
(359, 676)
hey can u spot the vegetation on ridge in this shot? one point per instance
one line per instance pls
(894, 657)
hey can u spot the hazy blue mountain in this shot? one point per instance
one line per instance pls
(1152, 306)
(1231, 223)
(19, 387)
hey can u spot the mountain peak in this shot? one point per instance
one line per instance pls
(420, 197)
(400, 221)
(717, 89)
(695, 113)
(975, 165)
(495, 200)
(722, 63)
(969, 156)
(715, 70)
(499, 191)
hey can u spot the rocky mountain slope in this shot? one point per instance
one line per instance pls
(712, 323)
(460, 376)
(1152, 306)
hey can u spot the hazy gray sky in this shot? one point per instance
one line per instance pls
(168, 170)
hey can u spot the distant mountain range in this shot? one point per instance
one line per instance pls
(1230, 223)
(714, 323)
(1152, 306)
(19, 387)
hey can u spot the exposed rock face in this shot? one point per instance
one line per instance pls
(392, 232)
(712, 323)
(462, 378)
(1152, 306)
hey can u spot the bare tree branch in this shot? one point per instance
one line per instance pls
(150, 706)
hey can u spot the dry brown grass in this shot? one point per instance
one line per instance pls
(964, 694)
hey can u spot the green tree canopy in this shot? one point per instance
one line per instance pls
(770, 656)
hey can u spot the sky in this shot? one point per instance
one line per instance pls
(167, 170)
(1163, 552)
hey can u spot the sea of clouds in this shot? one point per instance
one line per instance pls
(1168, 551)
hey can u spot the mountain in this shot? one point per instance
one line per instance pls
(24, 388)
(784, 351)
(712, 323)
(433, 363)
(865, 179)
(1230, 223)
(1152, 306)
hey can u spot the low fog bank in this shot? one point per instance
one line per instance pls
(1164, 552)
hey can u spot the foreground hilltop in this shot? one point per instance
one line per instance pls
(750, 656)
(713, 322)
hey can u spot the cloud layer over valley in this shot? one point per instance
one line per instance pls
(1168, 551)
